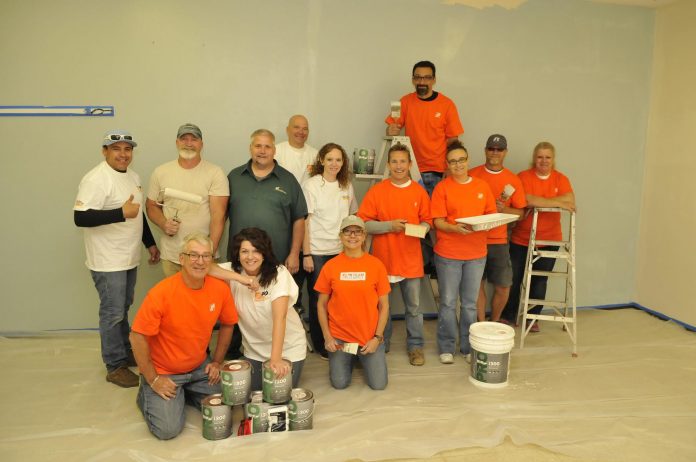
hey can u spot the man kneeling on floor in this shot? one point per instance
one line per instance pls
(171, 333)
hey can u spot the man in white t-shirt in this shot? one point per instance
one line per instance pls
(295, 155)
(108, 208)
(203, 206)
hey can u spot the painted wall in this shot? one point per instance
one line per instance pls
(668, 214)
(575, 73)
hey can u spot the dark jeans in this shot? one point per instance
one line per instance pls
(537, 286)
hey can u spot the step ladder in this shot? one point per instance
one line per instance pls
(563, 311)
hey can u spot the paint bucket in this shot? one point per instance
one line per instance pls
(301, 409)
(236, 381)
(217, 418)
(360, 160)
(491, 343)
(258, 411)
(275, 390)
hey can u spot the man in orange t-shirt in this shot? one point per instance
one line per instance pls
(170, 336)
(431, 121)
(509, 193)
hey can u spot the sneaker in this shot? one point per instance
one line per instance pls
(415, 357)
(447, 358)
(535, 327)
(324, 355)
(467, 358)
(123, 377)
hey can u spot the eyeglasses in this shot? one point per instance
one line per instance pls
(461, 160)
(422, 78)
(352, 232)
(118, 137)
(495, 149)
(194, 257)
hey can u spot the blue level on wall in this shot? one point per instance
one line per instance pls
(57, 111)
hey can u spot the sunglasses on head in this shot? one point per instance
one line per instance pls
(118, 137)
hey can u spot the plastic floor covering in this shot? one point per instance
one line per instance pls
(630, 395)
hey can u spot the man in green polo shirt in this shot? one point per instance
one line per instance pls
(265, 195)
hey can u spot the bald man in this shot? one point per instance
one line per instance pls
(295, 155)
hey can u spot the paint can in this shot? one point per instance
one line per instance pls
(360, 159)
(275, 390)
(301, 409)
(371, 162)
(236, 381)
(217, 418)
(491, 343)
(257, 410)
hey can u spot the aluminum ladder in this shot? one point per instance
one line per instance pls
(563, 311)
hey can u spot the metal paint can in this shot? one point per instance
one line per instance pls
(258, 411)
(217, 418)
(275, 390)
(236, 381)
(301, 409)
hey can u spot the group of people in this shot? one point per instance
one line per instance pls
(293, 217)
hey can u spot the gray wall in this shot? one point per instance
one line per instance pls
(575, 73)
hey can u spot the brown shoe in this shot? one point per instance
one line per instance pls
(415, 357)
(123, 377)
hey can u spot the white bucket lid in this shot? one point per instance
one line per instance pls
(492, 330)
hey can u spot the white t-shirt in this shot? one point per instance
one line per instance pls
(296, 161)
(327, 205)
(205, 179)
(256, 317)
(115, 246)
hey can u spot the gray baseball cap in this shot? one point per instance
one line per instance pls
(496, 141)
(352, 220)
(189, 129)
(116, 136)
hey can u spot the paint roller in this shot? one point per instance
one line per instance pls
(171, 193)
(508, 191)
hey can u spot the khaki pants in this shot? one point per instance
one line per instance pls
(169, 268)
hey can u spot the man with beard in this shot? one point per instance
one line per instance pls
(431, 121)
(177, 218)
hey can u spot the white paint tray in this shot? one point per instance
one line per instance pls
(486, 222)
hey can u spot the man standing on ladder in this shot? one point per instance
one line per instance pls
(431, 121)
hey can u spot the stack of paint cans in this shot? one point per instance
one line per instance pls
(217, 409)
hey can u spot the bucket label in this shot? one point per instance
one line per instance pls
(489, 367)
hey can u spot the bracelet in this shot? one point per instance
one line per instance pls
(307, 255)
(153, 382)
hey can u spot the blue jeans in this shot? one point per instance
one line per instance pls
(410, 291)
(166, 418)
(430, 180)
(115, 290)
(374, 366)
(314, 326)
(257, 369)
(457, 278)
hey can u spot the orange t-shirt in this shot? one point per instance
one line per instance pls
(548, 223)
(178, 321)
(455, 200)
(354, 286)
(401, 254)
(429, 124)
(497, 182)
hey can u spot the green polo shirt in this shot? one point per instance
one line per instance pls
(272, 204)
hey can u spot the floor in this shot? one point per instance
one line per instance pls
(630, 395)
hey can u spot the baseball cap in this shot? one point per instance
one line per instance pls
(496, 141)
(189, 128)
(352, 220)
(116, 136)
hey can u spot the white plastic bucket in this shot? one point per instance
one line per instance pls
(491, 343)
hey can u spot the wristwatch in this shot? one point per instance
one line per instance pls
(379, 337)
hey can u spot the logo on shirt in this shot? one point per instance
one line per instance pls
(345, 197)
(437, 115)
(480, 195)
(79, 203)
(555, 190)
(353, 276)
(260, 295)
(212, 307)
(279, 189)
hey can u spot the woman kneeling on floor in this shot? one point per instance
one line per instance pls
(353, 307)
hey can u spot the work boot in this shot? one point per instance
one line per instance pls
(415, 357)
(123, 377)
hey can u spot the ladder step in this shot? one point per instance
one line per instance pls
(545, 317)
(558, 243)
(552, 254)
(548, 303)
(549, 273)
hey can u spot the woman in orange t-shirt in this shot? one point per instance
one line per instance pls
(545, 187)
(353, 307)
(460, 253)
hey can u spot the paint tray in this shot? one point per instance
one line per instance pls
(486, 222)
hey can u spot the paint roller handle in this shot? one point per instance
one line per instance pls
(130, 208)
(171, 226)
